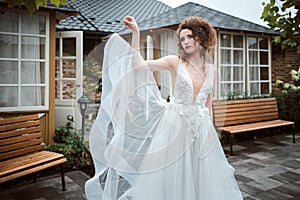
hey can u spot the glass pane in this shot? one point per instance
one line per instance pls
(9, 21)
(69, 68)
(33, 24)
(237, 89)
(9, 46)
(264, 58)
(225, 89)
(33, 47)
(225, 40)
(32, 73)
(69, 46)
(57, 90)
(252, 43)
(264, 73)
(68, 90)
(254, 88)
(225, 73)
(264, 88)
(237, 57)
(8, 72)
(237, 73)
(57, 47)
(32, 96)
(225, 56)
(9, 96)
(238, 41)
(253, 57)
(253, 73)
(263, 43)
(57, 68)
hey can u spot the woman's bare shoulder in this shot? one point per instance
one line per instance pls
(173, 61)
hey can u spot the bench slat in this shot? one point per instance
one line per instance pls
(21, 145)
(22, 150)
(18, 139)
(225, 109)
(18, 119)
(21, 125)
(24, 162)
(239, 116)
(14, 161)
(7, 155)
(32, 170)
(256, 126)
(19, 132)
(244, 101)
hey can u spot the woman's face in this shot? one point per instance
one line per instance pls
(188, 42)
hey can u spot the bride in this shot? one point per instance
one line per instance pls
(147, 149)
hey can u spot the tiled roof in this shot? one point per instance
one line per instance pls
(61, 7)
(216, 18)
(106, 15)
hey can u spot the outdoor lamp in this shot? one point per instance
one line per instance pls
(83, 102)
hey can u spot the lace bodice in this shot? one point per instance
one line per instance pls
(184, 91)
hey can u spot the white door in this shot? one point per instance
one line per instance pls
(68, 76)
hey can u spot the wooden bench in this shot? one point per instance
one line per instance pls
(22, 149)
(240, 116)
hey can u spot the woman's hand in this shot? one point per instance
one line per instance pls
(130, 22)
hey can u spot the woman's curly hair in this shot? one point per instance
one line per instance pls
(202, 31)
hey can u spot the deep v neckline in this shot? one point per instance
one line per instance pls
(192, 83)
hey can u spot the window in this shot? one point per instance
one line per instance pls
(23, 61)
(231, 63)
(258, 66)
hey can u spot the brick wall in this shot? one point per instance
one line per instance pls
(283, 61)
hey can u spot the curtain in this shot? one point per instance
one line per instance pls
(30, 71)
(17, 72)
(168, 46)
(8, 69)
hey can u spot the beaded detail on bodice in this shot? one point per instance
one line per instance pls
(184, 91)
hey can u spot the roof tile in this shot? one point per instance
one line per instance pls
(106, 15)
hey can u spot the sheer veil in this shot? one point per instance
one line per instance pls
(128, 136)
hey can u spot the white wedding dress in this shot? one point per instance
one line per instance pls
(145, 148)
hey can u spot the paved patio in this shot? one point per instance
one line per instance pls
(267, 168)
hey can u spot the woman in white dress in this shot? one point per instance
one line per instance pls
(145, 148)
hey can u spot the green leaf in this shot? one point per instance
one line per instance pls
(277, 39)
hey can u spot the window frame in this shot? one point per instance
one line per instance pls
(19, 61)
(258, 50)
(231, 65)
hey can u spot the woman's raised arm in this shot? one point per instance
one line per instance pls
(164, 63)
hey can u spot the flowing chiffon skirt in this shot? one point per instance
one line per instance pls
(145, 148)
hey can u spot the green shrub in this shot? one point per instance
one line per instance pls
(289, 106)
(289, 98)
(68, 142)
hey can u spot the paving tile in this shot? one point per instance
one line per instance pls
(249, 198)
(290, 188)
(286, 177)
(271, 195)
(265, 183)
(245, 195)
(249, 189)
(275, 169)
(261, 155)
(265, 168)
(296, 171)
(246, 167)
(243, 179)
(257, 174)
(292, 164)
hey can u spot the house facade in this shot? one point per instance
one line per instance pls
(243, 53)
(27, 62)
(46, 65)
